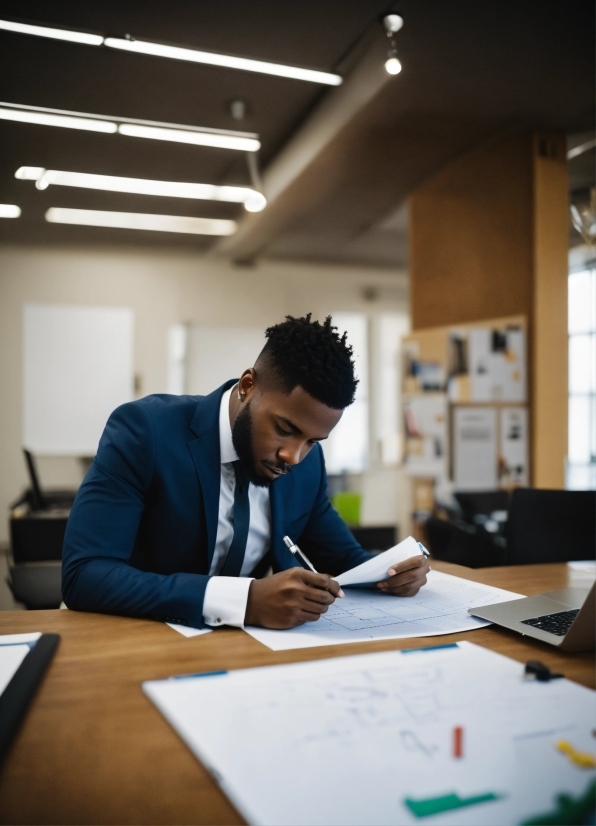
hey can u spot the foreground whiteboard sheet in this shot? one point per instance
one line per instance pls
(362, 739)
(440, 607)
(375, 569)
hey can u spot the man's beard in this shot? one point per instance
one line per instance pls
(243, 444)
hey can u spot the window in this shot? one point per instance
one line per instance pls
(581, 469)
(346, 449)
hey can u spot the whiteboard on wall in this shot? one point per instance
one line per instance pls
(78, 367)
(216, 354)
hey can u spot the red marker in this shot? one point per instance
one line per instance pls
(458, 741)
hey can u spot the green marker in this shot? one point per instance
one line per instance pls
(445, 803)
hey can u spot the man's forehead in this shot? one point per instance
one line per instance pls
(303, 411)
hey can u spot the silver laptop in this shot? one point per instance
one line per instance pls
(565, 618)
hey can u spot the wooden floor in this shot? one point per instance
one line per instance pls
(93, 749)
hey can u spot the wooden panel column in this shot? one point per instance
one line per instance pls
(488, 238)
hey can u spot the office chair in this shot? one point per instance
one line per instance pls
(481, 503)
(551, 526)
(462, 544)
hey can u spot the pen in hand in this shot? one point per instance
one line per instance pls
(301, 557)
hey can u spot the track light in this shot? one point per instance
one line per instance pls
(140, 220)
(392, 23)
(253, 200)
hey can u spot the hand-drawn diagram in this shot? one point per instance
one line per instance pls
(440, 607)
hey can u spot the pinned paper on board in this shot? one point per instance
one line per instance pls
(426, 435)
(497, 364)
(513, 448)
(475, 448)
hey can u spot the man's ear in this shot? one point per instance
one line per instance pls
(247, 383)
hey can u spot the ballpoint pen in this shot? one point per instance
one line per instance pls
(300, 556)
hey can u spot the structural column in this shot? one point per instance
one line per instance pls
(488, 239)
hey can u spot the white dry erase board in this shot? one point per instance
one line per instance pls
(77, 368)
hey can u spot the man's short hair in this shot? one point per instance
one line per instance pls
(303, 352)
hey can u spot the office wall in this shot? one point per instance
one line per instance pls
(165, 288)
(489, 238)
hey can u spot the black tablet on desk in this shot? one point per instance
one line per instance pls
(23, 661)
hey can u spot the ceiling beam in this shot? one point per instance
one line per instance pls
(304, 171)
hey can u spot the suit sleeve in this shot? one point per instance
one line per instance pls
(102, 529)
(327, 539)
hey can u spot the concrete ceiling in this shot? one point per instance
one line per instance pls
(472, 70)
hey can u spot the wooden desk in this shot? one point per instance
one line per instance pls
(93, 749)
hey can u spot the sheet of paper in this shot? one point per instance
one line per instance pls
(349, 740)
(475, 448)
(513, 452)
(13, 650)
(440, 607)
(188, 632)
(376, 568)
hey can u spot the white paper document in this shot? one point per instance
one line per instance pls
(440, 607)
(375, 569)
(370, 739)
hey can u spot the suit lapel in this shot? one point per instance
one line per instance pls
(205, 454)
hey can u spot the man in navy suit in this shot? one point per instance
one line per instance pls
(188, 499)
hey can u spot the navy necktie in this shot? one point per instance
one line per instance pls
(235, 558)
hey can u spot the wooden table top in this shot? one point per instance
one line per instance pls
(93, 749)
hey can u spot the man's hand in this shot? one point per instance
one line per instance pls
(406, 578)
(290, 598)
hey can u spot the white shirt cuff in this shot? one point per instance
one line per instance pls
(225, 600)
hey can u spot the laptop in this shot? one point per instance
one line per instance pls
(565, 618)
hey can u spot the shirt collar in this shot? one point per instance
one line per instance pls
(227, 451)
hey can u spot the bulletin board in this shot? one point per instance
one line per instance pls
(465, 404)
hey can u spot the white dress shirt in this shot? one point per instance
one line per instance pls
(226, 596)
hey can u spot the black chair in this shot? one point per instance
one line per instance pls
(462, 544)
(551, 526)
(481, 503)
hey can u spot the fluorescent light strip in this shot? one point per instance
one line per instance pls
(219, 138)
(54, 34)
(177, 53)
(226, 61)
(253, 201)
(140, 220)
(9, 211)
(67, 122)
(182, 136)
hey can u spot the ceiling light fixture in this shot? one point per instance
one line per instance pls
(253, 201)
(134, 130)
(129, 44)
(195, 135)
(140, 220)
(66, 121)
(54, 34)
(9, 211)
(392, 23)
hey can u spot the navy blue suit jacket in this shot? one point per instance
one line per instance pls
(141, 534)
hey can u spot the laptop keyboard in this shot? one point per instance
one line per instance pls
(558, 624)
